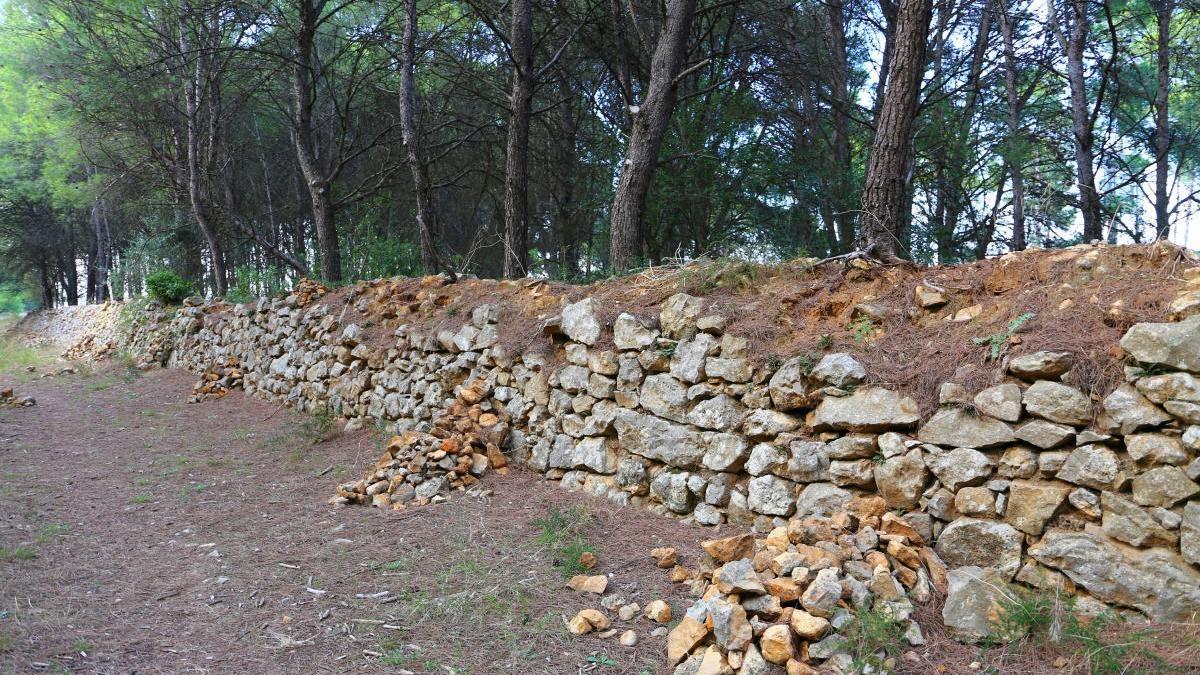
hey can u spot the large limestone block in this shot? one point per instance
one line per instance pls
(1156, 581)
(579, 321)
(960, 428)
(982, 543)
(867, 409)
(1058, 403)
(1176, 345)
(658, 439)
(1032, 503)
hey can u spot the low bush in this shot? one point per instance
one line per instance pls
(167, 287)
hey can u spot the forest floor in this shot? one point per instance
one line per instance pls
(143, 534)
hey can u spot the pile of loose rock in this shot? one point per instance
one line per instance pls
(308, 291)
(90, 347)
(11, 400)
(421, 467)
(217, 381)
(791, 597)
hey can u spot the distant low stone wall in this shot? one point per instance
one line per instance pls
(1030, 477)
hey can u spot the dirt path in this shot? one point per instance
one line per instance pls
(142, 534)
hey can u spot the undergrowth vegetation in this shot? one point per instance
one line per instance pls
(561, 534)
(1103, 643)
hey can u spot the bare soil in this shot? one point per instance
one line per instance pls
(142, 534)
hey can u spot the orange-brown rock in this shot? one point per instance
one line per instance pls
(683, 638)
(784, 588)
(777, 644)
(729, 548)
(891, 523)
(664, 557)
(588, 584)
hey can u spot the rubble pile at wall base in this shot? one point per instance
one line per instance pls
(1029, 480)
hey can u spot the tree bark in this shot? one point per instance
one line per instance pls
(315, 180)
(516, 175)
(647, 131)
(1163, 9)
(842, 184)
(194, 175)
(1074, 43)
(1013, 159)
(427, 226)
(885, 189)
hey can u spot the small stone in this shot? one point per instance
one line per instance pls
(1156, 448)
(777, 644)
(588, 584)
(839, 370)
(929, 298)
(738, 576)
(982, 543)
(808, 627)
(664, 557)
(658, 611)
(1044, 434)
(594, 619)
(628, 612)
(1041, 365)
(822, 595)
(587, 560)
(731, 628)
(579, 321)
(1127, 522)
(901, 480)
(961, 467)
(973, 607)
(959, 427)
(975, 501)
(628, 639)
(1086, 501)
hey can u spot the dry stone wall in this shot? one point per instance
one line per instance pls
(1030, 479)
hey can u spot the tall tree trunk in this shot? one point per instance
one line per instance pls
(194, 174)
(427, 225)
(1163, 9)
(1013, 156)
(885, 190)
(1074, 43)
(47, 283)
(647, 131)
(888, 8)
(516, 175)
(843, 183)
(315, 180)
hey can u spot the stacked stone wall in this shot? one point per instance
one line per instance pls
(1030, 477)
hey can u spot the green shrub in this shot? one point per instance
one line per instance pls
(167, 287)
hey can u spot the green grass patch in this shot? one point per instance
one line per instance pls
(142, 499)
(49, 532)
(16, 357)
(17, 553)
(189, 490)
(872, 633)
(81, 646)
(561, 534)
